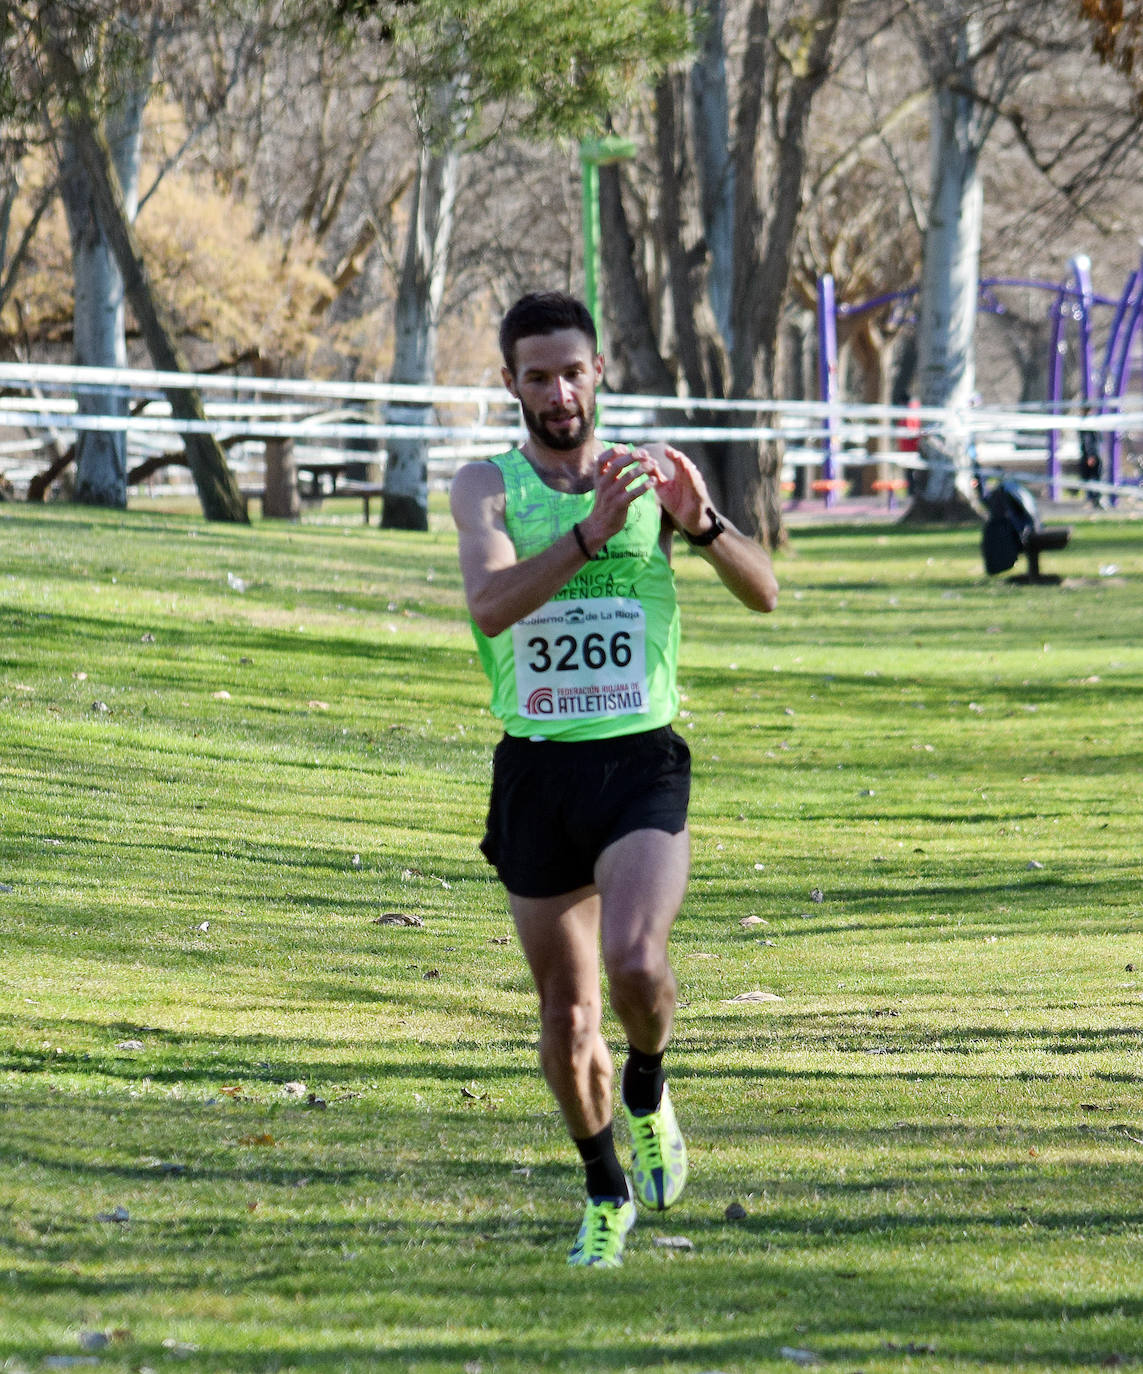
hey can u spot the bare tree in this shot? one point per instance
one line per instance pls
(444, 116)
(731, 150)
(864, 222)
(978, 56)
(218, 491)
(99, 311)
(535, 68)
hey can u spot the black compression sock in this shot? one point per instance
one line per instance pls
(643, 1080)
(603, 1173)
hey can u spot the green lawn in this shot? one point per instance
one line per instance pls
(224, 752)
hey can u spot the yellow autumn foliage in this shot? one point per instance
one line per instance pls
(227, 287)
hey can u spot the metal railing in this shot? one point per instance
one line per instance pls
(40, 404)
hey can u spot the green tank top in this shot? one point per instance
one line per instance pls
(601, 658)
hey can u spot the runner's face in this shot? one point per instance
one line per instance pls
(555, 380)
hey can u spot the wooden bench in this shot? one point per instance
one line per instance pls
(366, 490)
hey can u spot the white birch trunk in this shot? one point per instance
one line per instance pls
(950, 285)
(99, 308)
(405, 503)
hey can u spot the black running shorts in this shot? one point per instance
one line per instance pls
(555, 806)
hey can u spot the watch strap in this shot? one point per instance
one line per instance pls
(708, 536)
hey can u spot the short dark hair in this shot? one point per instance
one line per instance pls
(544, 312)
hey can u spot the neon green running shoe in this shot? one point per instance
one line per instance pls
(606, 1221)
(659, 1161)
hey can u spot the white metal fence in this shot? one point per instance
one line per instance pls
(43, 406)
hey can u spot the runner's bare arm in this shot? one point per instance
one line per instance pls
(744, 568)
(743, 565)
(499, 588)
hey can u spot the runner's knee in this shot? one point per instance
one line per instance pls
(567, 1027)
(638, 977)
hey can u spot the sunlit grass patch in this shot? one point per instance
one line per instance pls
(243, 1126)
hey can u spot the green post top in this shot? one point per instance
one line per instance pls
(606, 149)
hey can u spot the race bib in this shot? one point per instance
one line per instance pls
(576, 659)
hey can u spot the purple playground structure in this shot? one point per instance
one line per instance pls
(1102, 386)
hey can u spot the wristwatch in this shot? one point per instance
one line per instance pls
(700, 541)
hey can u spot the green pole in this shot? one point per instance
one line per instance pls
(593, 153)
(590, 184)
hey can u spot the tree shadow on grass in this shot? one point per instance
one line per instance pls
(407, 1241)
(429, 1292)
(66, 634)
(846, 1050)
(269, 1060)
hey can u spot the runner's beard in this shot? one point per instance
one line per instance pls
(562, 440)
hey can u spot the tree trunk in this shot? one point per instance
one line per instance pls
(634, 365)
(800, 380)
(710, 114)
(870, 352)
(218, 491)
(280, 499)
(950, 284)
(99, 310)
(405, 502)
(904, 367)
(13, 257)
(729, 273)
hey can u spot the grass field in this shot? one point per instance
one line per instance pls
(244, 1127)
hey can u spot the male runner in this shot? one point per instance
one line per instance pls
(565, 555)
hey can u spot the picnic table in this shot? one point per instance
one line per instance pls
(327, 477)
(323, 475)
